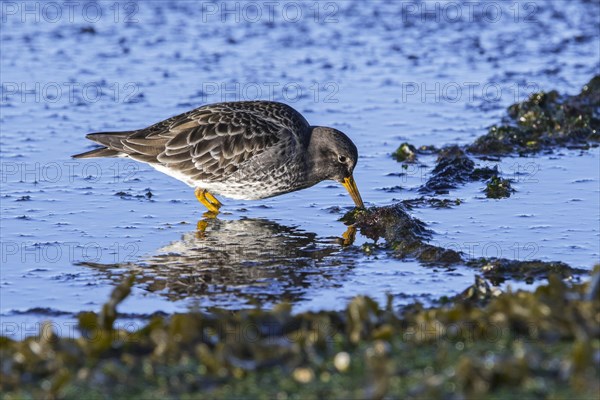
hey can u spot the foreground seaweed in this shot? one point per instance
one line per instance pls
(544, 343)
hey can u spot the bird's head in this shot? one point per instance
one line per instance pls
(334, 156)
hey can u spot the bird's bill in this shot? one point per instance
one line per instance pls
(350, 186)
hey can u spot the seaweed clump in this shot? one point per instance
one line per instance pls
(405, 153)
(453, 167)
(546, 120)
(498, 188)
(403, 233)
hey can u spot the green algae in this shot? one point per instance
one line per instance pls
(482, 344)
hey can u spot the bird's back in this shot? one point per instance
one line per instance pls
(212, 142)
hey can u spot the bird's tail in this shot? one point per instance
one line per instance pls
(111, 141)
(101, 152)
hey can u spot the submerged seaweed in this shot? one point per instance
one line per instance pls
(454, 167)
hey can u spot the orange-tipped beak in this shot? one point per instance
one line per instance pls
(350, 186)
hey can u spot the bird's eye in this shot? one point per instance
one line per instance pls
(342, 159)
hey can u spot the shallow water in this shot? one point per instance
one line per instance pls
(384, 74)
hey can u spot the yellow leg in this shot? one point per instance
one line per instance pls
(208, 200)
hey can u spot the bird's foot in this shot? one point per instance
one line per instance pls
(208, 200)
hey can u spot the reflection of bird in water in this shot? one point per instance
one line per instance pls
(244, 150)
(241, 261)
(347, 238)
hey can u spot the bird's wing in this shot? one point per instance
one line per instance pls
(211, 142)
